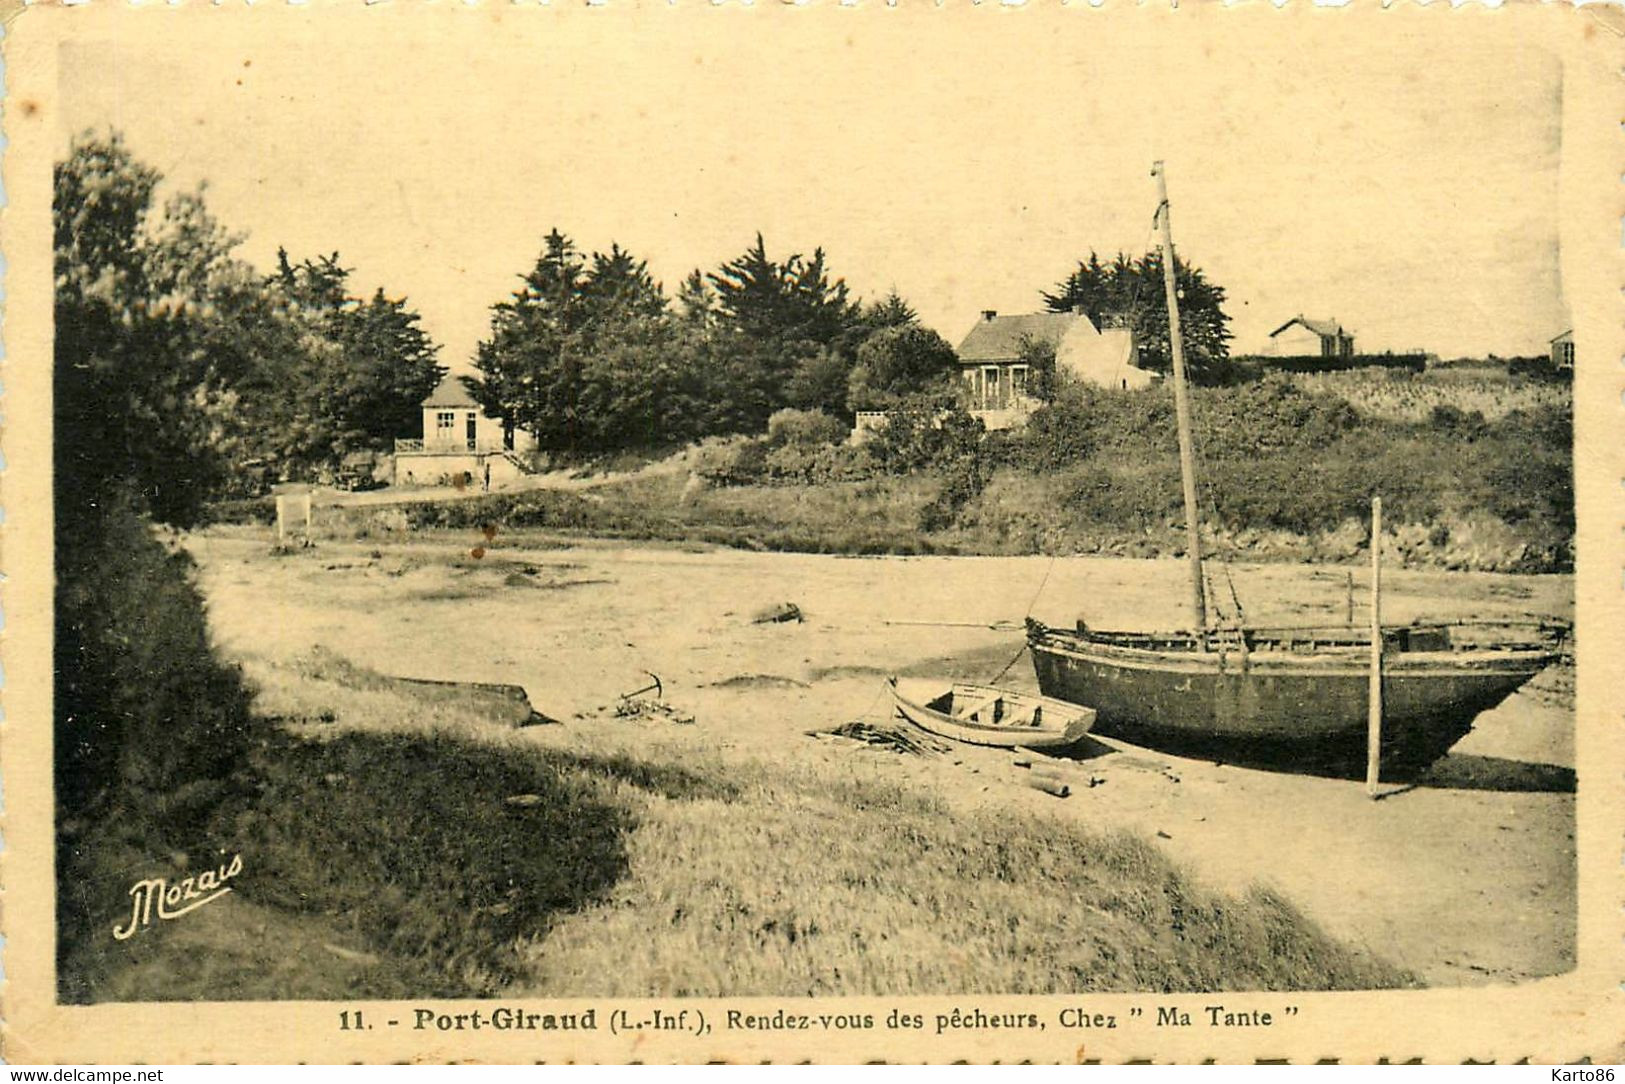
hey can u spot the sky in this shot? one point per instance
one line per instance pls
(967, 163)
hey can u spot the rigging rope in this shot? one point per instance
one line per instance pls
(1030, 604)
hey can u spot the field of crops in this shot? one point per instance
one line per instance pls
(1406, 397)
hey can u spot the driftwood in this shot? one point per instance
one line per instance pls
(1052, 770)
(520, 711)
(891, 737)
(1049, 785)
(780, 611)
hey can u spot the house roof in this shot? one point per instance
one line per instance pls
(999, 338)
(452, 391)
(1569, 334)
(1319, 327)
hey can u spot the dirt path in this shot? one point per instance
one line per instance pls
(1469, 878)
(572, 479)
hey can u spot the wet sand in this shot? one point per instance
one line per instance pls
(1467, 878)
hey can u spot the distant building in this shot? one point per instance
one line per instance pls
(460, 442)
(1563, 351)
(995, 375)
(1302, 337)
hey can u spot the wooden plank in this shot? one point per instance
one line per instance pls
(973, 710)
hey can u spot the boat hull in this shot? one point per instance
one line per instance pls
(1279, 705)
(1066, 723)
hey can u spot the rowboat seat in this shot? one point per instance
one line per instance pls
(1026, 718)
(976, 707)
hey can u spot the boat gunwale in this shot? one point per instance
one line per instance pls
(1284, 662)
(1075, 714)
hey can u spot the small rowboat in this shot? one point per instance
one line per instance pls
(983, 715)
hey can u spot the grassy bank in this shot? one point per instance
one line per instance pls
(392, 850)
(1113, 510)
(1286, 474)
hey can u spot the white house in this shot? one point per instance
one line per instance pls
(995, 375)
(461, 443)
(1562, 350)
(1301, 337)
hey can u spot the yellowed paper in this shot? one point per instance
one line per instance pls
(682, 869)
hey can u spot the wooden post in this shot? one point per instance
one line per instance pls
(1373, 744)
(308, 497)
(281, 519)
(1182, 412)
(1348, 618)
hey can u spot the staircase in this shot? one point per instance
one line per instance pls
(518, 461)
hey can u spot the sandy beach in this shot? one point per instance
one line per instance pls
(1466, 878)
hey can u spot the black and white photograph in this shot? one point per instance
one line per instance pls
(907, 526)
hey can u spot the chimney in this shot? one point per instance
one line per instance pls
(989, 314)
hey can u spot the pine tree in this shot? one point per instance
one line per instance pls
(889, 311)
(696, 303)
(528, 367)
(1132, 292)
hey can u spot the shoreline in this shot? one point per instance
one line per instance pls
(1491, 834)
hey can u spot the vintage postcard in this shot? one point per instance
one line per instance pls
(679, 532)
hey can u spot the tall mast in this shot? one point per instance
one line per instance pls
(1182, 410)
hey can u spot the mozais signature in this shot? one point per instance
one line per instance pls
(157, 895)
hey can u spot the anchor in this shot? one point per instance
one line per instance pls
(656, 688)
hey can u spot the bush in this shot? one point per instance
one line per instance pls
(1268, 416)
(1137, 496)
(149, 726)
(922, 434)
(800, 464)
(804, 428)
(1057, 435)
(251, 510)
(731, 461)
(1466, 424)
(962, 482)
(1320, 363)
(1086, 421)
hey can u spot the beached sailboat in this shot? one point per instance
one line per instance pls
(983, 715)
(1298, 697)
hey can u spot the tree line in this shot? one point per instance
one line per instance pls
(185, 373)
(590, 354)
(181, 371)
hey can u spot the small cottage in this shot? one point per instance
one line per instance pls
(461, 443)
(995, 373)
(1563, 351)
(1301, 337)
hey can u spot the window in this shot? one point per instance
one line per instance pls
(1018, 380)
(445, 420)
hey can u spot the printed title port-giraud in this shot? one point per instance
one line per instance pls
(503, 1018)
